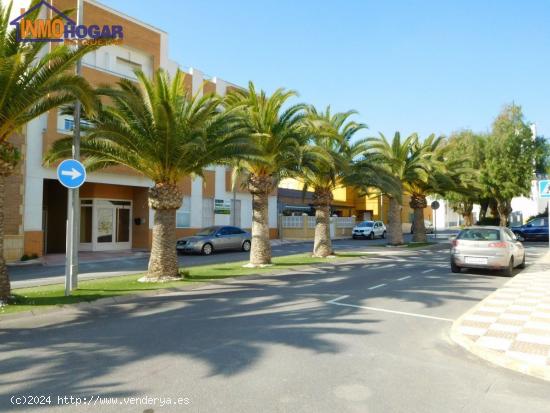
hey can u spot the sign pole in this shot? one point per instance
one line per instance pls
(435, 224)
(74, 195)
(71, 174)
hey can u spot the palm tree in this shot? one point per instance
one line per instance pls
(403, 163)
(278, 147)
(32, 82)
(331, 134)
(440, 174)
(157, 129)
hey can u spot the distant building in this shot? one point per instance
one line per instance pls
(114, 210)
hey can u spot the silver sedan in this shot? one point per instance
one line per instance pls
(489, 247)
(215, 238)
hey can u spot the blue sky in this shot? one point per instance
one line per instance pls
(413, 66)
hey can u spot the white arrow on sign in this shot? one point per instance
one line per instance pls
(73, 173)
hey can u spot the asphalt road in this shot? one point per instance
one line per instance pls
(367, 337)
(26, 276)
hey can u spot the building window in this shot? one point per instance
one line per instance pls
(69, 124)
(127, 67)
(183, 215)
(207, 212)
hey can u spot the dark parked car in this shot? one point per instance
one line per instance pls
(534, 230)
(215, 238)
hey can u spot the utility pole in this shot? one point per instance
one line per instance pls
(73, 199)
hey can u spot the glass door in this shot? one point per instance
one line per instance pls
(112, 229)
(104, 228)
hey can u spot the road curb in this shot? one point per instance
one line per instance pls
(495, 357)
(125, 299)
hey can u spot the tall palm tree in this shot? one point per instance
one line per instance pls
(331, 134)
(278, 148)
(438, 175)
(33, 81)
(157, 129)
(401, 161)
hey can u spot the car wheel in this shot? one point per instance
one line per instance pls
(522, 265)
(384, 235)
(371, 235)
(509, 271)
(246, 246)
(454, 268)
(207, 249)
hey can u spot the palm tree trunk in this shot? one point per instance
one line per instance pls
(260, 251)
(164, 199)
(5, 291)
(468, 219)
(322, 244)
(483, 207)
(419, 234)
(467, 213)
(418, 202)
(504, 209)
(395, 227)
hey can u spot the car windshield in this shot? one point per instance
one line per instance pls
(474, 234)
(366, 224)
(207, 231)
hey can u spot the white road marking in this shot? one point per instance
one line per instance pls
(383, 310)
(337, 299)
(386, 266)
(376, 286)
(425, 271)
(403, 278)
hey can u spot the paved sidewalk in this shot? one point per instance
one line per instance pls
(511, 327)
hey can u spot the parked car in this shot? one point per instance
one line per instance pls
(427, 224)
(495, 248)
(534, 230)
(369, 229)
(215, 238)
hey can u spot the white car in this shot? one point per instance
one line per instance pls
(495, 248)
(369, 229)
(427, 225)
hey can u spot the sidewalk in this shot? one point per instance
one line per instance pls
(511, 327)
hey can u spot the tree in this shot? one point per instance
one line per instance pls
(162, 132)
(467, 148)
(542, 157)
(510, 159)
(402, 163)
(436, 174)
(332, 134)
(32, 82)
(278, 143)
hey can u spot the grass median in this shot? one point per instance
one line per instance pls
(44, 297)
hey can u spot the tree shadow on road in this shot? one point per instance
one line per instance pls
(225, 329)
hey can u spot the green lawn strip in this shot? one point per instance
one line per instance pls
(406, 245)
(44, 297)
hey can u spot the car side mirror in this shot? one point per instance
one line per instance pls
(218, 234)
(529, 225)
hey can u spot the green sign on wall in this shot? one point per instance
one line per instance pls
(222, 207)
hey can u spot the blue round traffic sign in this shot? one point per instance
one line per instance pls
(71, 173)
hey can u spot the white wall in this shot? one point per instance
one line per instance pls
(32, 204)
(105, 58)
